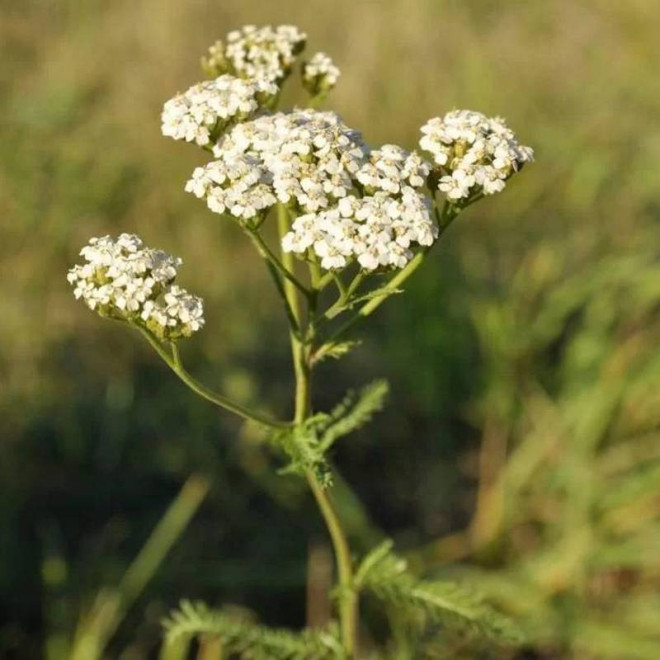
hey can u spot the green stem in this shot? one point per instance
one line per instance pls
(303, 409)
(267, 253)
(340, 285)
(347, 597)
(173, 361)
(326, 279)
(288, 261)
(371, 305)
(345, 295)
(317, 101)
(315, 272)
(278, 281)
(298, 350)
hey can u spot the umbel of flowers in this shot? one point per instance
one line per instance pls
(352, 204)
(353, 221)
(473, 153)
(126, 281)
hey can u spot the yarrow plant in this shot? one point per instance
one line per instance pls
(354, 222)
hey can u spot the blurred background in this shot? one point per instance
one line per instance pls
(521, 446)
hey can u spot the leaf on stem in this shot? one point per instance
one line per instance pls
(450, 605)
(336, 350)
(306, 444)
(301, 443)
(246, 639)
(353, 412)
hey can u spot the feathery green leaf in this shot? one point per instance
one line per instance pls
(336, 349)
(354, 412)
(249, 640)
(302, 445)
(432, 601)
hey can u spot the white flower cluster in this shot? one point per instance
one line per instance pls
(236, 184)
(390, 168)
(304, 158)
(475, 153)
(355, 204)
(320, 74)
(124, 280)
(265, 53)
(178, 314)
(206, 109)
(377, 230)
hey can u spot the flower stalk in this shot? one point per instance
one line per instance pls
(173, 361)
(346, 598)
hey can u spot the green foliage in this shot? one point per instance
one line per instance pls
(111, 605)
(306, 444)
(355, 410)
(337, 350)
(431, 601)
(251, 641)
(301, 444)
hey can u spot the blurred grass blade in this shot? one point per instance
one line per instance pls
(112, 604)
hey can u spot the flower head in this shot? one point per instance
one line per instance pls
(176, 314)
(256, 53)
(377, 231)
(392, 168)
(305, 159)
(200, 114)
(124, 280)
(354, 205)
(234, 184)
(473, 153)
(319, 74)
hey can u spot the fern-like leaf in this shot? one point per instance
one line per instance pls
(301, 444)
(431, 601)
(353, 412)
(248, 640)
(336, 350)
(306, 444)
